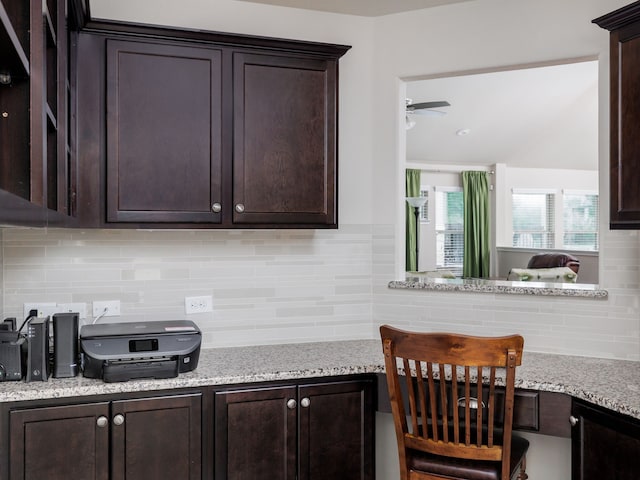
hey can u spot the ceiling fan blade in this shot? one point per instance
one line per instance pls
(423, 105)
(428, 113)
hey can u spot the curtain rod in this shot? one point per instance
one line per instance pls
(447, 169)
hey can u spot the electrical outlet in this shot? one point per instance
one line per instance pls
(198, 304)
(112, 308)
(47, 309)
(44, 308)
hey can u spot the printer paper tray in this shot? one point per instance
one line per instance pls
(123, 370)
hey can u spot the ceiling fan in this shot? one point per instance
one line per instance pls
(424, 108)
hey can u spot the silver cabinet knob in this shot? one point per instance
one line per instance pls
(305, 402)
(102, 421)
(291, 404)
(239, 207)
(216, 207)
(118, 419)
(573, 421)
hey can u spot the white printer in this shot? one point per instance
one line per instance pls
(117, 352)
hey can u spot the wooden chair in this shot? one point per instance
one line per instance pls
(460, 423)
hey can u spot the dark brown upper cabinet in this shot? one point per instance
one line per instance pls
(37, 171)
(164, 109)
(186, 129)
(284, 150)
(624, 25)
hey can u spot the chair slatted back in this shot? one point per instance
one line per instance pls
(449, 388)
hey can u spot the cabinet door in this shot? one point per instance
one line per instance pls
(255, 434)
(158, 438)
(60, 443)
(604, 445)
(284, 158)
(35, 181)
(624, 171)
(336, 431)
(163, 132)
(625, 118)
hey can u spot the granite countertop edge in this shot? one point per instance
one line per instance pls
(497, 286)
(612, 384)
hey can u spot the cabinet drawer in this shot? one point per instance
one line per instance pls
(526, 410)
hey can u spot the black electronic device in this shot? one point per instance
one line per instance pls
(118, 352)
(38, 358)
(8, 324)
(11, 357)
(65, 345)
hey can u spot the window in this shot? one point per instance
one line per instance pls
(580, 220)
(533, 218)
(449, 223)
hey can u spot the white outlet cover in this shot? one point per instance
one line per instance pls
(43, 308)
(201, 304)
(112, 306)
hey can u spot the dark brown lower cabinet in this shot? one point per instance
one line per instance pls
(604, 444)
(304, 432)
(137, 439)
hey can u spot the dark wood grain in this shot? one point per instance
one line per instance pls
(604, 444)
(258, 435)
(255, 434)
(336, 431)
(624, 171)
(163, 132)
(59, 443)
(284, 143)
(34, 125)
(145, 168)
(160, 439)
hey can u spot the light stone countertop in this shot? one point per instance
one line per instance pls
(613, 384)
(480, 285)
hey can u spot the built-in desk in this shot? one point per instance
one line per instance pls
(604, 394)
(612, 384)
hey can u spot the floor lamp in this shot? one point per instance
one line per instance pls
(416, 203)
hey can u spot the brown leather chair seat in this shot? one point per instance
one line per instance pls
(450, 467)
(551, 260)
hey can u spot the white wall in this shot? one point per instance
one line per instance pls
(484, 35)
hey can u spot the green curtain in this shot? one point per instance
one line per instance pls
(412, 190)
(475, 186)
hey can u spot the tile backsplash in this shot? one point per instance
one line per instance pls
(267, 286)
(586, 327)
(283, 286)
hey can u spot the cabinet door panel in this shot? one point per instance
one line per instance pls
(284, 140)
(59, 443)
(625, 117)
(163, 132)
(336, 431)
(160, 438)
(255, 435)
(604, 445)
